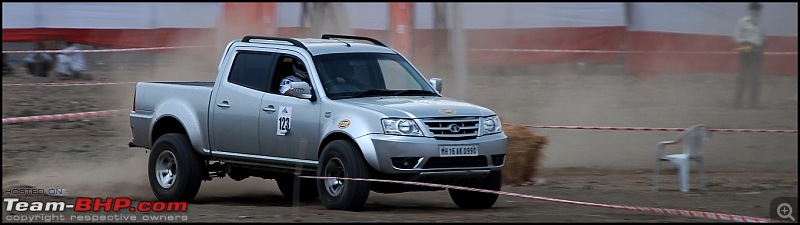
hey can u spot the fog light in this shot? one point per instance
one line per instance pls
(405, 162)
(498, 160)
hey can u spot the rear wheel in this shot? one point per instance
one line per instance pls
(342, 158)
(479, 200)
(307, 189)
(174, 169)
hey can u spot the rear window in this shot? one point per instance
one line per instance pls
(251, 70)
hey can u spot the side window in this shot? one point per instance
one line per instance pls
(252, 70)
(284, 68)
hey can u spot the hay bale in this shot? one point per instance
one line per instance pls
(523, 154)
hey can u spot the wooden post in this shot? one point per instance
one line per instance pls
(269, 20)
(458, 52)
(240, 19)
(400, 27)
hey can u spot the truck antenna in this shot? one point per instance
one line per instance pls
(348, 44)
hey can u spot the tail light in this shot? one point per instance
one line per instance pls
(133, 107)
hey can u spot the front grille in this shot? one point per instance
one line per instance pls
(455, 162)
(453, 128)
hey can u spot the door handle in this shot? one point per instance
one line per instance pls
(269, 108)
(223, 104)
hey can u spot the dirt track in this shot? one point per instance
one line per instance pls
(746, 170)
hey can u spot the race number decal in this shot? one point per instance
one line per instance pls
(284, 120)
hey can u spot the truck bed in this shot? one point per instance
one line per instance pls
(195, 83)
(150, 94)
(186, 101)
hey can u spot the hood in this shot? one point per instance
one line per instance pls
(419, 106)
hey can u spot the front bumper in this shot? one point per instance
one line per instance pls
(403, 155)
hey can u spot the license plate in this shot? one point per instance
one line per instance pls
(458, 150)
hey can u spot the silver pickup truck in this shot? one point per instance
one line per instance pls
(362, 111)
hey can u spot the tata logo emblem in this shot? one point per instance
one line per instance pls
(447, 111)
(454, 128)
(344, 123)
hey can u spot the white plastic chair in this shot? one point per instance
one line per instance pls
(693, 138)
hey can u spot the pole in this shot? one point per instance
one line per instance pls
(458, 52)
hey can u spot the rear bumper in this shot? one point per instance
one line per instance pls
(140, 127)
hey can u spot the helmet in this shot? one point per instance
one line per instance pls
(300, 69)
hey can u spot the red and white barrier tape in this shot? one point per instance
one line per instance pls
(61, 84)
(614, 51)
(65, 116)
(752, 130)
(689, 213)
(103, 50)
(662, 129)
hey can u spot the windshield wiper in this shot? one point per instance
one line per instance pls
(373, 92)
(415, 93)
(386, 92)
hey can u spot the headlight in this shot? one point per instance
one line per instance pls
(491, 125)
(401, 127)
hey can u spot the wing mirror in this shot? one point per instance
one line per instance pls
(436, 83)
(300, 90)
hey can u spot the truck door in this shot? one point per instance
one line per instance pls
(236, 107)
(289, 126)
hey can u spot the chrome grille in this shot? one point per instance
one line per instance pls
(453, 128)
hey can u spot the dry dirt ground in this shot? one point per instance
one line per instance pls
(90, 157)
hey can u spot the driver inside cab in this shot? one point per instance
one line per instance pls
(341, 76)
(300, 75)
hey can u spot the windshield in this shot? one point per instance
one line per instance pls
(353, 75)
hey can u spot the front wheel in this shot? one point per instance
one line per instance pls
(174, 169)
(342, 158)
(479, 200)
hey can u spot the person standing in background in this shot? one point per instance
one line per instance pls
(750, 39)
(7, 69)
(71, 63)
(39, 64)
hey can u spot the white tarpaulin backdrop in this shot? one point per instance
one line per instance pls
(111, 15)
(778, 18)
(503, 28)
(530, 15)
